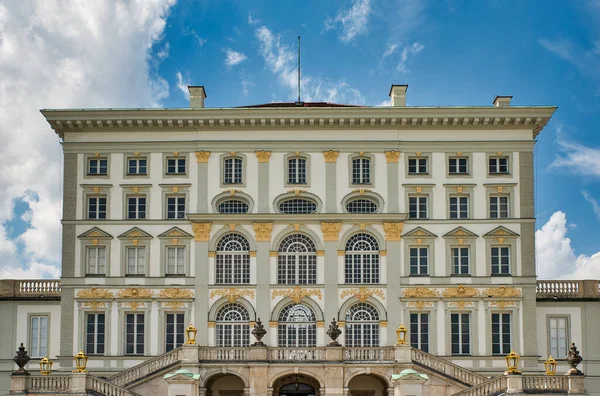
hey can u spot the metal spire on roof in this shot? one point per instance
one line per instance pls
(299, 102)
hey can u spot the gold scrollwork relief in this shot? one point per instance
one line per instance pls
(297, 294)
(175, 293)
(331, 155)
(331, 231)
(134, 292)
(94, 293)
(502, 291)
(461, 304)
(94, 305)
(460, 291)
(232, 294)
(503, 304)
(393, 231)
(392, 156)
(201, 231)
(263, 231)
(202, 156)
(363, 293)
(419, 292)
(420, 305)
(263, 156)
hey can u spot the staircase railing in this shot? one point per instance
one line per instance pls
(492, 386)
(545, 383)
(447, 368)
(153, 365)
(106, 388)
(50, 383)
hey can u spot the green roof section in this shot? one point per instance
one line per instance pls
(184, 372)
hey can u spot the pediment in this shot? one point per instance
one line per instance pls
(502, 232)
(95, 233)
(460, 232)
(419, 232)
(175, 232)
(135, 233)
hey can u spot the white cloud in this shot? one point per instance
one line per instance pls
(233, 58)
(407, 53)
(353, 21)
(578, 158)
(556, 258)
(182, 85)
(34, 270)
(164, 52)
(252, 21)
(593, 202)
(92, 54)
(391, 48)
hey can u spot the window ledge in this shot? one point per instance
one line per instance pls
(461, 275)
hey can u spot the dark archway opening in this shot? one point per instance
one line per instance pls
(296, 385)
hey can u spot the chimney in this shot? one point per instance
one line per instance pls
(502, 101)
(197, 95)
(398, 95)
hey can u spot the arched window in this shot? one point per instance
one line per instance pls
(233, 259)
(232, 206)
(361, 205)
(297, 261)
(297, 170)
(232, 326)
(362, 326)
(297, 326)
(362, 259)
(297, 206)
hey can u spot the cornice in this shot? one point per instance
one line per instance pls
(287, 219)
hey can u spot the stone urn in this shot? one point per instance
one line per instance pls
(573, 359)
(258, 332)
(334, 332)
(21, 359)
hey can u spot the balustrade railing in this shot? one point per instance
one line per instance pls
(491, 387)
(445, 367)
(558, 288)
(106, 388)
(134, 373)
(215, 353)
(369, 354)
(297, 354)
(50, 383)
(545, 383)
(39, 287)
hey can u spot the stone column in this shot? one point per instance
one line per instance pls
(331, 233)
(263, 181)
(393, 237)
(392, 181)
(263, 274)
(202, 190)
(200, 261)
(331, 201)
(529, 326)
(259, 381)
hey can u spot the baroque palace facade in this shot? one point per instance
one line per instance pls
(292, 215)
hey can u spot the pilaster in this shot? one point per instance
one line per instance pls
(202, 190)
(392, 181)
(393, 260)
(201, 263)
(330, 180)
(67, 327)
(263, 275)
(330, 241)
(263, 181)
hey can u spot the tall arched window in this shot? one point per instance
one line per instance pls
(297, 261)
(232, 326)
(362, 326)
(362, 259)
(233, 259)
(297, 326)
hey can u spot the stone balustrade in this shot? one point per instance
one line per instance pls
(35, 288)
(545, 384)
(568, 289)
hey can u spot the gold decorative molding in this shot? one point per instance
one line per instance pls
(201, 231)
(297, 191)
(273, 253)
(175, 189)
(263, 156)
(173, 305)
(94, 305)
(392, 156)
(135, 190)
(252, 253)
(502, 291)
(420, 305)
(211, 324)
(363, 293)
(136, 154)
(176, 153)
(418, 153)
(500, 189)
(232, 294)
(320, 253)
(331, 231)
(459, 189)
(383, 323)
(96, 155)
(341, 253)
(263, 231)
(461, 304)
(503, 304)
(175, 293)
(297, 294)
(459, 153)
(331, 155)
(212, 254)
(175, 233)
(461, 292)
(134, 292)
(96, 190)
(202, 156)
(393, 231)
(383, 253)
(419, 292)
(418, 189)
(272, 323)
(94, 293)
(133, 305)
(320, 324)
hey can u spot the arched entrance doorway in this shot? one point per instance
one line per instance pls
(367, 385)
(224, 385)
(296, 385)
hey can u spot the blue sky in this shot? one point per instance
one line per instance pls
(144, 53)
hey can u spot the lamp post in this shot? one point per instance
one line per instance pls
(191, 334)
(401, 334)
(80, 362)
(512, 361)
(550, 365)
(46, 366)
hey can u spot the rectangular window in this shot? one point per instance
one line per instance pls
(134, 334)
(460, 333)
(137, 166)
(458, 165)
(417, 165)
(558, 326)
(500, 333)
(94, 333)
(361, 171)
(500, 260)
(419, 261)
(97, 167)
(176, 207)
(460, 260)
(175, 260)
(96, 260)
(499, 207)
(498, 165)
(136, 260)
(459, 207)
(97, 207)
(419, 331)
(297, 171)
(417, 207)
(38, 337)
(175, 166)
(136, 207)
(174, 331)
(233, 167)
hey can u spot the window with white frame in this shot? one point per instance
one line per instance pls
(136, 260)
(417, 165)
(459, 207)
(419, 331)
(297, 170)
(175, 264)
(232, 206)
(362, 259)
(175, 206)
(97, 166)
(297, 260)
(458, 165)
(297, 327)
(361, 170)
(136, 207)
(297, 206)
(38, 336)
(95, 333)
(500, 333)
(232, 260)
(558, 327)
(499, 206)
(419, 260)
(498, 165)
(95, 260)
(460, 257)
(232, 326)
(176, 165)
(417, 207)
(500, 260)
(96, 207)
(134, 334)
(174, 330)
(137, 166)
(232, 170)
(361, 206)
(460, 333)
(362, 326)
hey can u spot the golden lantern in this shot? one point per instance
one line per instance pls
(401, 332)
(46, 366)
(512, 361)
(80, 362)
(550, 365)
(191, 334)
